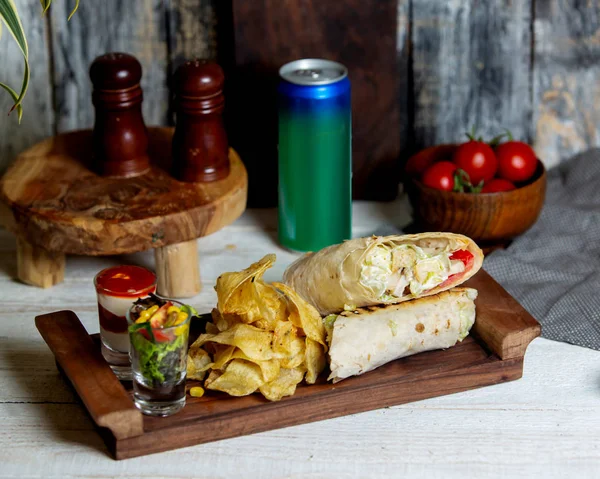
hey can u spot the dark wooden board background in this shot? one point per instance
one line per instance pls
(530, 65)
(358, 34)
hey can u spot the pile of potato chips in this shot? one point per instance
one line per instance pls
(263, 337)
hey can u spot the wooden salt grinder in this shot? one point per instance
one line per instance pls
(120, 139)
(200, 150)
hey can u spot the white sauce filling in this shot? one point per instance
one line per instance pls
(388, 271)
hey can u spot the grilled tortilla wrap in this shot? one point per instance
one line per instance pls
(362, 340)
(383, 270)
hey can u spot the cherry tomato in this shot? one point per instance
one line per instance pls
(516, 161)
(159, 336)
(440, 176)
(418, 163)
(466, 257)
(477, 159)
(496, 185)
(463, 255)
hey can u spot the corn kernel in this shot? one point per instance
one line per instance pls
(197, 392)
(181, 317)
(149, 312)
(180, 329)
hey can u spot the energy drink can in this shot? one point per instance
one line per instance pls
(315, 155)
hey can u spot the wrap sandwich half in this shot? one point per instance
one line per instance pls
(362, 340)
(383, 270)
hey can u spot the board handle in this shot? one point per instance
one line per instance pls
(101, 392)
(502, 323)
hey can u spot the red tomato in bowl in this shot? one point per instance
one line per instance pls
(418, 163)
(496, 185)
(440, 176)
(516, 161)
(477, 159)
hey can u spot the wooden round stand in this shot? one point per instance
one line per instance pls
(55, 204)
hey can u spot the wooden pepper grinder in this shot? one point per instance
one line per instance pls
(120, 137)
(200, 150)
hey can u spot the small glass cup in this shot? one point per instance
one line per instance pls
(159, 361)
(116, 289)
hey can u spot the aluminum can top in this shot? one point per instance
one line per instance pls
(313, 71)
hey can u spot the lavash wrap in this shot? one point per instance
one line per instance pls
(362, 340)
(330, 278)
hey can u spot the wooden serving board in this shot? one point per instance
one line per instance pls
(492, 354)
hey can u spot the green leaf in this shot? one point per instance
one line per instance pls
(45, 5)
(73, 11)
(15, 97)
(10, 16)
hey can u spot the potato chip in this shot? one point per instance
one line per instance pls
(284, 385)
(236, 293)
(212, 328)
(239, 379)
(270, 304)
(287, 345)
(269, 369)
(198, 362)
(315, 360)
(224, 322)
(223, 354)
(254, 342)
(262, 337)
(303, 315)
(214, 375)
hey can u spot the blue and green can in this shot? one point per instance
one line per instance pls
(315, 155)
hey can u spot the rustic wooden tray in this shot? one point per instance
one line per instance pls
(492, 354)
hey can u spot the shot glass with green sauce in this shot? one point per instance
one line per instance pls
(158, 333)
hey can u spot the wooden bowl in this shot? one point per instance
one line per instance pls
(487, 218)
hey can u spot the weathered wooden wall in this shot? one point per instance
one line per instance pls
(566, 77)
(532, 66)
(471, 66)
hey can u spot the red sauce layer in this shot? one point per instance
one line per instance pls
(111, 322)
(126, 280)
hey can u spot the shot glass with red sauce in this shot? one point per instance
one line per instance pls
(117, 288)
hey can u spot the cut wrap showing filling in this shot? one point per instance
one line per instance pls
(397, 271)
(383, 269)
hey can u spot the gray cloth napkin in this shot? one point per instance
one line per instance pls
(553, 269)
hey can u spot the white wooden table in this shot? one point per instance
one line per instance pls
(545, 425)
